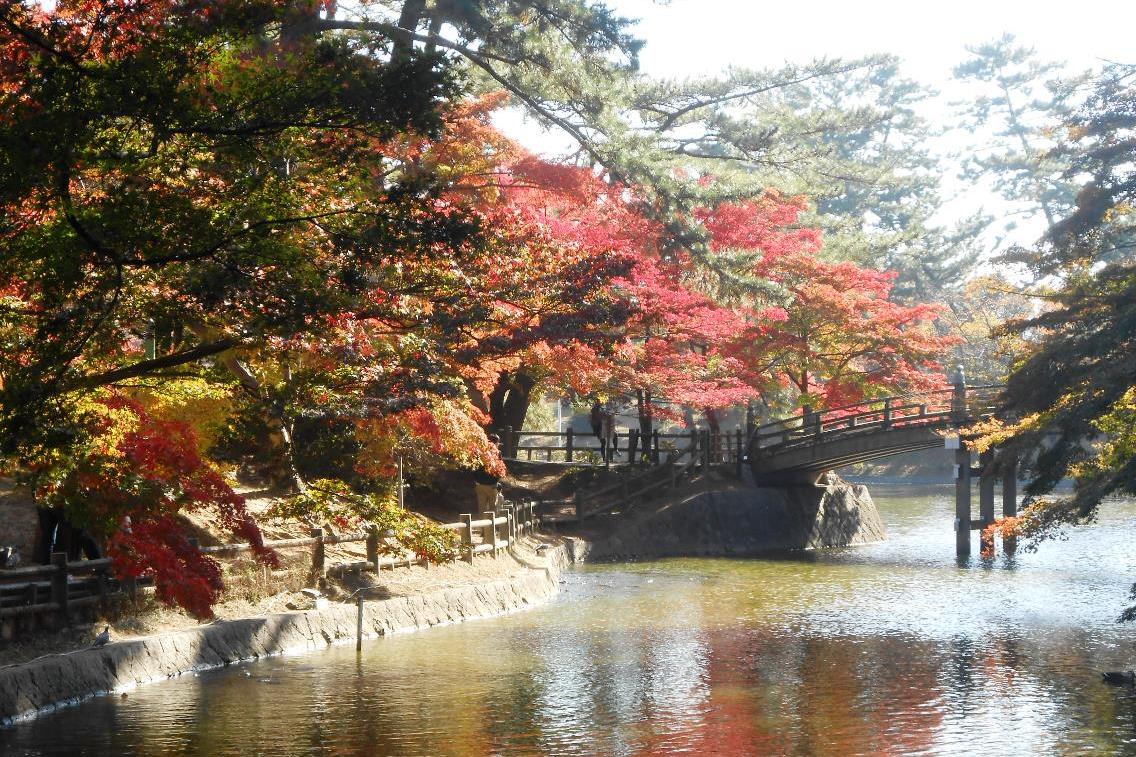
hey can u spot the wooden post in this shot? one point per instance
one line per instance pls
(373, 547)
(887, 413)
(632, 445)
(740, 436)
(318, 557)
(101, 584)
(1010, 498)
(507, 449)
(401, 486)
(467, 537)
(568, 445)
(706, 451)
(359, 623)
(59, 587)
(492, 516)
(962, 501)
(986, 488)
(694, 445)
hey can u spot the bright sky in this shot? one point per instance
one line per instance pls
(704, 37)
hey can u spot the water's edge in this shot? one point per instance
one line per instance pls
(711, 523)
(48, 683)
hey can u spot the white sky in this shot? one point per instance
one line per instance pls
(704, 37)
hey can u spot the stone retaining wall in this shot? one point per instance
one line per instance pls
(56, 680)
(749, 521)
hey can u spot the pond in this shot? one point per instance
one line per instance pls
(894, 648)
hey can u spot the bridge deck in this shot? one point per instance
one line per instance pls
(805, 446)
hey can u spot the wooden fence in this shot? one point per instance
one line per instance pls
(704, 450)
(638, 448)
(55, 594)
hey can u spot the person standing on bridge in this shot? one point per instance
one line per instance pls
(603, 426)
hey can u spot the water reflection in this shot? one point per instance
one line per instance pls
(888, 649)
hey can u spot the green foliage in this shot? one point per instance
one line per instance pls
(335, 502)
(1021, 101)
(1078, 378)
(193, 174)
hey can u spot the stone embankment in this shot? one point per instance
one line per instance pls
(708, 522)
(55, 680)
(746, 521)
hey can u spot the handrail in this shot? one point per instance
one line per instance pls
(873, 400)
(881, 405)
(707, 453)
(879, 412)
(847, 420)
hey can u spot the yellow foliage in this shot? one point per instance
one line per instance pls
(204, 405)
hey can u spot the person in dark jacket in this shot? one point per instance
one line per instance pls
(603, 426)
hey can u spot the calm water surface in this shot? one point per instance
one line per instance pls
(895, 648)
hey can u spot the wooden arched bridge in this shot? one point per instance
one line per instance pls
(801, 448)
(798, 450)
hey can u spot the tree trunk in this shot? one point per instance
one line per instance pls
(516, 405)
(509, 401)
(283, 475)
(412, 11)
(299, 21)
(646, 420)
(497, 404)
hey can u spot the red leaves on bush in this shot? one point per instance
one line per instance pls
(183, 576)
(128, 478)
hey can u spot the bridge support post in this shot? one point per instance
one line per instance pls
(739, 439)
(962, 501)
(986, 497)
(986, 488)
(1010, 498)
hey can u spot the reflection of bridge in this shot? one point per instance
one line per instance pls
(800, 449)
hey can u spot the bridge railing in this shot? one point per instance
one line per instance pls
(925, 409)
(704, 451)
(571, 446)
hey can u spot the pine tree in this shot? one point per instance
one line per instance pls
(1074, 394)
